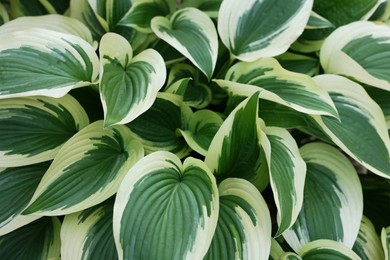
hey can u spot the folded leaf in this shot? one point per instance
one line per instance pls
(34, 128)
(165, 209)
(128, 85)
(65, 62)
(244, 223)
(192, 33)
(327, 250)
(261, 28)
(361, 130)
(86, 171)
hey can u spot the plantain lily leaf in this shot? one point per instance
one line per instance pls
(34, 128)
(278, 115)
(202, 127)
(361, 124)
(276, 84)
(236, 149)
(17, 186)
(128, 85)
(88, 234)
(287, 176)
(27, 8)
(276, 250)
(359, 50)
(54, 22)
(327, 250)
(158, 128)
(382, 98)
(165, 209)
(333, 201)
(244, 223)
(86, 171)
(37, 240)
(192, 33)
(261, 28)
(368, 245)
(299, 63)
(65, 62)
(4, 17)
(210, 7)
(385, 239)
(316, 21)
(56, 6)
(114, 11)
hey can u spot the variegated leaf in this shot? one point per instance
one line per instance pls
(128, 85)
(287, 176)
(244, 223)
(34, 128)
(368, 245)
(192, 33)
(261, 28)
(202, 127)
(65, 62)
(158, 128)
(299, 63)
(37, 240)
(385, 239)
(114, 11)
(88, 234)
(316, 21)
(276, 250)
(236, 149)
(333, 201)
(165, 209)
(327, 250)
(20, 8)
(361, 124)
(359, 50)
(210, 7)
(276, 84)
(86, 171)
(17, 186)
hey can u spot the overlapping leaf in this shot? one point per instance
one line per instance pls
(65, 62)
(333, 201)
(244, 224)
(261, 28)
(165, 209)
(34, 128)
(385, 239)
(327, 250)
(86, 171)
(299, 63)
(361, 131)
(128, 85)
(192, 33)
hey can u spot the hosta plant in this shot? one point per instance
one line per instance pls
(191, 129)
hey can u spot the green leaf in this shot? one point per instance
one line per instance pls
(316, 21)
(287, 176)
(368, 245)
(192, 33)
(202, 127)
(115, 10)
(244, 223)
(299, 63)
(236, 148)
(34, 128)
(128, 85)
(359, 50)
(26, 8)
(333, 201)
(86, 171)
(17, 186)
(165, 209)
(261, 28)
(4, 17)
(210, 7)
(276, 84)
(88, 234)
(385, 239)
(65, 62)
(276, 250)
(158, 128)
(327, 250)
(361, 130)
(37, 240)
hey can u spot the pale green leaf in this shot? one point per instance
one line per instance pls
(193, 34)
(261, 28)
(20, 8)
(4, 17)
(165, 209)
(333, 201)
(276, 250)
(34, 128)
(385, 239)
(86, 171)
(327, 250)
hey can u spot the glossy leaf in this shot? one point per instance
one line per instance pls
(192, 33)
(244, 224)
(128, 85)
(327, 250)
(86, 171)
(34, 128)
(361, 131)
(255, 29)
(65, 62)
(165, 209)
(333, 201)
